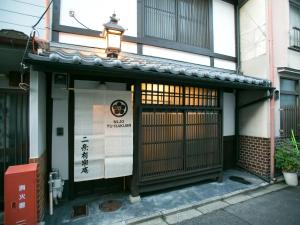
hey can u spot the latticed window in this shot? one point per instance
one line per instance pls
(184, 21)
(165, 94)
(295, 24)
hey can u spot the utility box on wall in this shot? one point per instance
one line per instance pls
(20, 188)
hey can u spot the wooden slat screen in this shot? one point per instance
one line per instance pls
(203, 140)
(180, 130)
(184, 21)
(290, 119)
(162, 143)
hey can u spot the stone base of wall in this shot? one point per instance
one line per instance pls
(254, 155)
(41, 187)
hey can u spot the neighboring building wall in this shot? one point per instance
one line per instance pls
(283, 56)
(37, 127)
(254, 120)
(22, 15)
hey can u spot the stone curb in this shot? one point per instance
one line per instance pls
(246, 194)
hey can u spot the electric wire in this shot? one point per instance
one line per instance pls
(81, 23)
(22, 84)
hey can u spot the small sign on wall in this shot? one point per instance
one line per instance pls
(103, 143)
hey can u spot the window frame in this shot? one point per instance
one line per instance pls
(295, 93)
(175, 44)
(293, 30)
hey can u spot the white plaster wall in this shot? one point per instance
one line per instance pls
(60, 144)
(37, 114)
(280, 31)
(293, 59)
(254, 120)
(94, 42)
(280, 47)
(22, 15)
(229, 114)
(224, 64)
(224, 28)
(256, 67)
(253, 29)
(176, 55)
(94, 13)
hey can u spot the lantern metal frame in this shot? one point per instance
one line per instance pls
(113, 31)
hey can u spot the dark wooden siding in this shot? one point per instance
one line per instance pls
(14, 139)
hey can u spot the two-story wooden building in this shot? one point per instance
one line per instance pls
(174, 108)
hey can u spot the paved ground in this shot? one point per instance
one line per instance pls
(161, 203)
(277, 208)
(274, 205)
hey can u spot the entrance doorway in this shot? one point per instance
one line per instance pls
(181, 135)
(102, 133)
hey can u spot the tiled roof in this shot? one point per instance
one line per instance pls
(147, 63)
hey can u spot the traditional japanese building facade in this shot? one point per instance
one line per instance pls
(190, 94)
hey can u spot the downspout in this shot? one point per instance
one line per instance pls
(272, 78)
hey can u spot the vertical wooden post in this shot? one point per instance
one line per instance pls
(71, 111)
(136, 139)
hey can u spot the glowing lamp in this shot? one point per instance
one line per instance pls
(113, 34)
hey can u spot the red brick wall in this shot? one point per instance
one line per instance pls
(254, 155)
(41, 181)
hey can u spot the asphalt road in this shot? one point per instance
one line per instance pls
(276, 208)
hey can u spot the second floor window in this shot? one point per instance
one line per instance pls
(295, 25)
(288, 92)
(183, 21)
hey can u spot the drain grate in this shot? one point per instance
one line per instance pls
(110, 205)
(79, 211)
(239, 179)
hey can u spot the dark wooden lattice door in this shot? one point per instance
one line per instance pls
(13, 132)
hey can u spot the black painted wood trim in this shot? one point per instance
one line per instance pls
(57, 27)
(237, 125)
(237, 38)
(295, 2)
(136, 138)
(71, 112)
(221, 100)
(211, 26)
(185, 48)
(240, 3)
(49, 121)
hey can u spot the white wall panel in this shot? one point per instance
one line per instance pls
(37, 114)
(253, 29)
(94, 13)
(60, 146)
(224, 28)
(176, 55)
(93, 42)
(229, 114)
(254, 119)
(224, 64)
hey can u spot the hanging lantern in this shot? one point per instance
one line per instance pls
(113, 34)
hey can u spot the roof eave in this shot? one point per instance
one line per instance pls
(135, 74)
